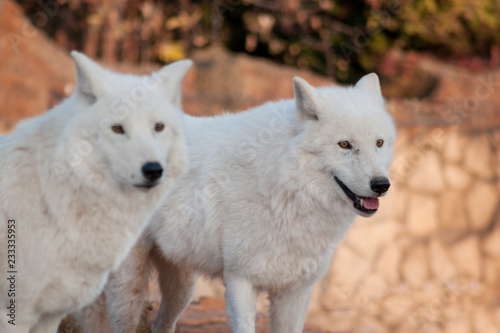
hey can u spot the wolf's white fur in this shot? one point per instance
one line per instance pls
(69, 181)
(259, 207)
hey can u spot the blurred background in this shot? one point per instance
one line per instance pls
(429, 261)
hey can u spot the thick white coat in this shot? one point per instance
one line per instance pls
(69, 182)
(260, 206)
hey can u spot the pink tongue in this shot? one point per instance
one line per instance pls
(370, 203)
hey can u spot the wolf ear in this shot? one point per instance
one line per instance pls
(369, 84)
(305, 100)
(88, 77)
(171, 77)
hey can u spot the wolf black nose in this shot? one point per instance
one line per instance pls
(380, 185)
(152, 171)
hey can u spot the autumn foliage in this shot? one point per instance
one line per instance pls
(340, 38)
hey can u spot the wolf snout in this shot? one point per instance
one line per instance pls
(380, 185)
(152, 171)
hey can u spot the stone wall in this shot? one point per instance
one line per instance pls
(429, 261)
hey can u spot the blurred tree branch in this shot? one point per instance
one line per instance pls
(340, 38)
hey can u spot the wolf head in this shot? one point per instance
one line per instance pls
(349, 137)
(133, 125)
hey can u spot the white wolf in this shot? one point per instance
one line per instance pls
(78, 185)
(269, 194)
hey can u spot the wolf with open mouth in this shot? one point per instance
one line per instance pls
(268, 195)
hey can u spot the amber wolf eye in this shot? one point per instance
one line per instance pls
(118, 129)
(345, 145)
(159, 127)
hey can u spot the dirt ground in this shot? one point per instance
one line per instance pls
(206, 316)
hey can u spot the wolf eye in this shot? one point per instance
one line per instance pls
(345, 145)
(159, 127)
(117, 129)
(380, 143)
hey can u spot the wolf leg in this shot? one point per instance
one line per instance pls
(289, 309)
(177, 286)
(241, 300)
(94, 317)
(127, 289)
